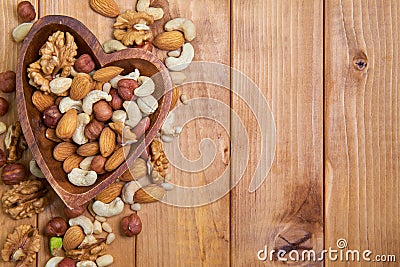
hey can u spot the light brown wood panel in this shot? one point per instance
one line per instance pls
(176, 236)
(278, 44)
(362, 125)
(9, 54)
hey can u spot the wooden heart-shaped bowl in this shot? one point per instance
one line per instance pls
(30, 118)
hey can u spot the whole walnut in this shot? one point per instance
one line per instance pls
(126, 88)
(102, 111)
(51, 116)
(13, 173)
(84, 64)
(3, 106)
(26, 11)
(94, 129)
(7, 81)
(117, 101)
(131, 225)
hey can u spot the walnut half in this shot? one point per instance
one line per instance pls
(88, 252)
(22, 245)
(25, 199)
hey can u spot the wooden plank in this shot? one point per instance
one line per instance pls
(278, 44)
(362, 125)
(123, 249)
(176, 236)
(9, 54)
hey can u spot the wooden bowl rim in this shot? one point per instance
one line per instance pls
(71, 199)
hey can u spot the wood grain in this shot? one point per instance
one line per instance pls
(278, 44)
(9, 54)
(175, 236)
(362, 126)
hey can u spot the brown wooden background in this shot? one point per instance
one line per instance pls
(336, 167)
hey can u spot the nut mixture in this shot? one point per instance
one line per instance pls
(94, 116)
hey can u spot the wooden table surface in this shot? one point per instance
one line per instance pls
(336, 167)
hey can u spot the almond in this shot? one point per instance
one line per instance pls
(81, 86)
(51, 135)
(107, 142)
(110, 193)
(116, 159)
(67, 125)
(136, 171)
(148, 194)
(71, 163)
(42, 101)
(107, 73)
(175, 97)
(107, 8)
(73, 237)
(63, 150)
(169, 40)
(88, 150)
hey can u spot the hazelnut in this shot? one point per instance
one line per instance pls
(13, 173)
(26, 11)
(102, 111)
(84, 64)
(131, 225)
(97, 164)
(94, 129)
(3, 158)
(56, 227)
(51, 116)
(67, 262)
(73, 213)
(126, 87)
(146, 46)
(7, 81)
(117, 101)
(3, 106)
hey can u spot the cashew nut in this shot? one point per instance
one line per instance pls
(147, 87)
(35, 170)
(133, 112)
(115, 207)
(174, 53)
(183, 61)
(86, 264)
(129, 137)
(83, 222)
(112, 46)
(91, 98)
(88, 240)
(119, 116)
(81, 177)
(184, 25)
(104, 260)
(97, 229)
(144, 6)
(110, 238)
(129, 190)
(67, 103)
(85, 163)
(60, 85)
(148, 104)
(107, 87)
(79, 135)
(53, 262)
